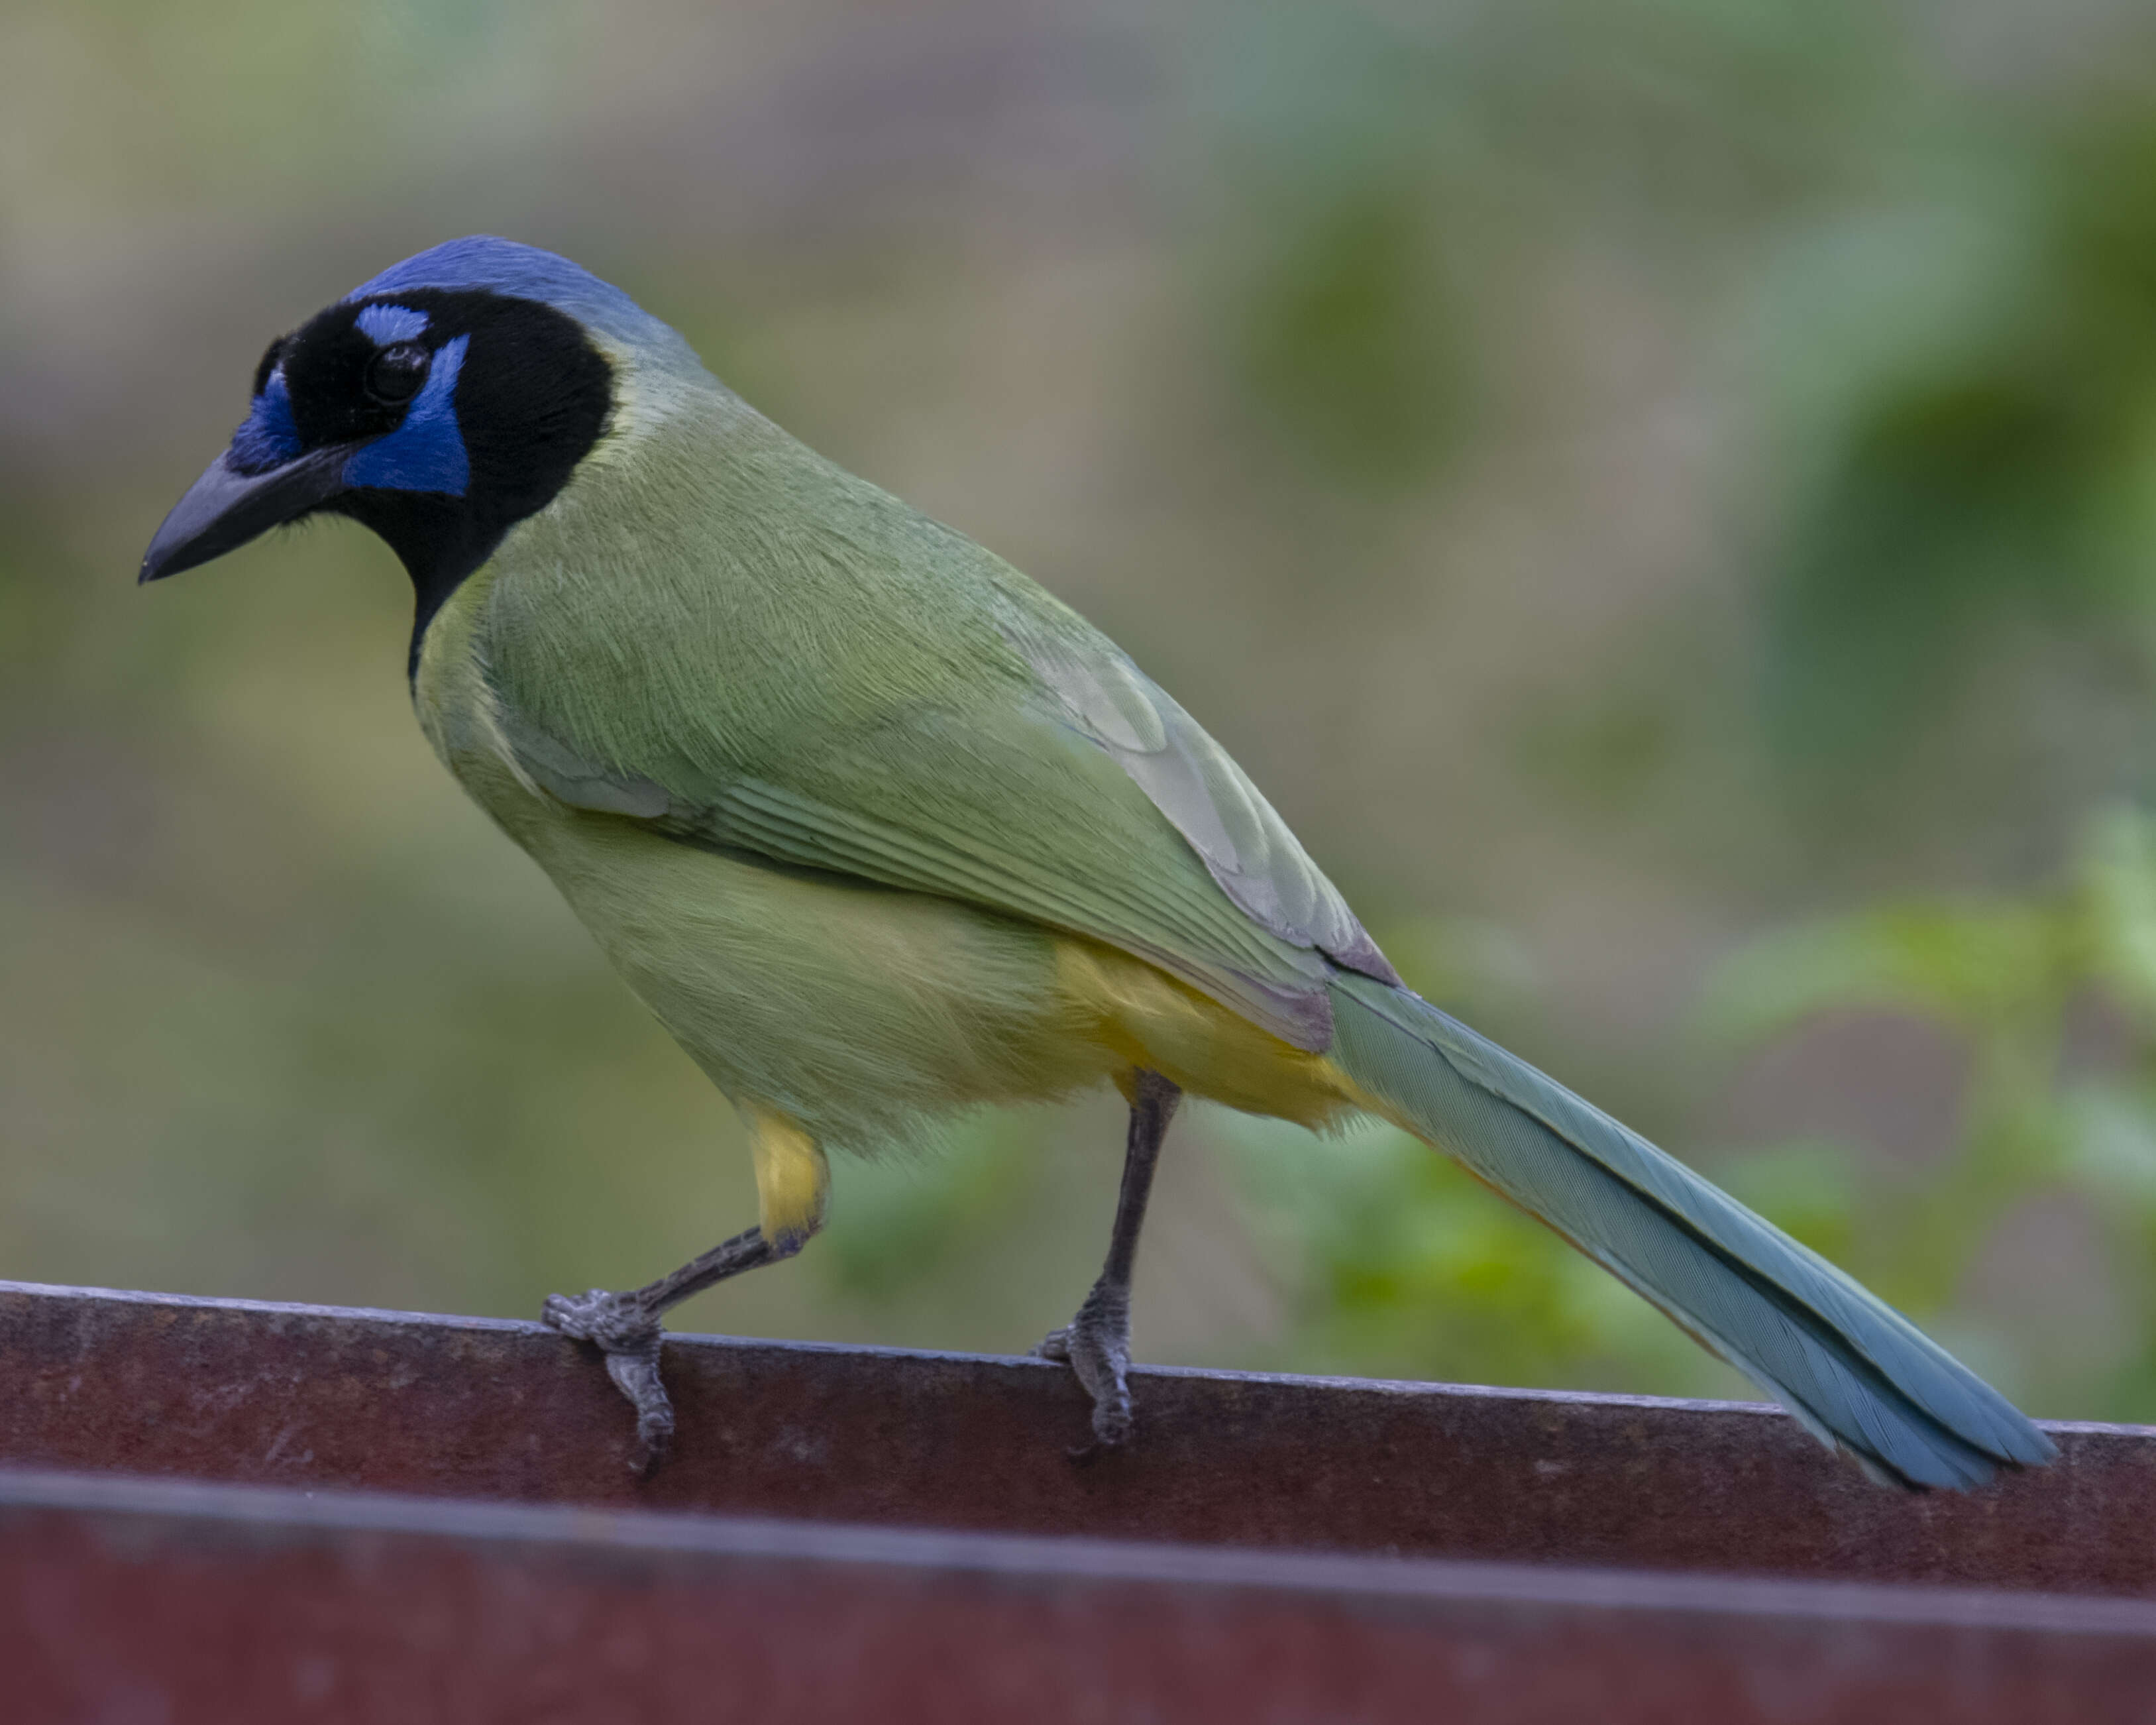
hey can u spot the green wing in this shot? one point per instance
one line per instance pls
(948, 729)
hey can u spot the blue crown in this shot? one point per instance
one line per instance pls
(502, 266)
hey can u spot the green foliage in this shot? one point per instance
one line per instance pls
(2053, 996)
(1343, 327)
(897, 1214)
(1346, 339)
(1984, 465)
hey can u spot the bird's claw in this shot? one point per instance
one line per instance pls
(617, 1323)
(628, 1335)
(1096, 1345)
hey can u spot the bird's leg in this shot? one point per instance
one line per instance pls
(1096, 1342)
(792, 1184)
(625, 1328)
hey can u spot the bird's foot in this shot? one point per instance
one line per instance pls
(627, 1333)
(1096, 1345)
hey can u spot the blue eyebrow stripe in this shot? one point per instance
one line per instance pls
(385, 324)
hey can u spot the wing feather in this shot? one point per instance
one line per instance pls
(796, 665)
(1170, 926)
(1248, 849)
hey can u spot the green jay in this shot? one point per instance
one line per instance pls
(880, 830)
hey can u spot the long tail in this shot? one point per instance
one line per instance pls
(1858, 1374)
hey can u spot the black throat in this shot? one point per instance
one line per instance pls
(532, 398)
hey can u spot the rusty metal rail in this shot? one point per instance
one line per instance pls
(293, 1395)
(289, 1512)
(153, 1600)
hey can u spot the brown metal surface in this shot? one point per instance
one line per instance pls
(124, 1600)
(307, 1397)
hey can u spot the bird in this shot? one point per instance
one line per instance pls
(882, 832)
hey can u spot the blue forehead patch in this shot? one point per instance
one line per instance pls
(427, 452)
(268, 436)
(385, 324)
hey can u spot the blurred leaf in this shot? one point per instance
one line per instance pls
(895, 1219)
(1979, 460)
(1810, 1190)
(2113, 1145)
(2118, 874)
(1460, 962)
(1347, 336)
(1970, 966)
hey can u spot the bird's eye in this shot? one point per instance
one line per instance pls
(395, 374)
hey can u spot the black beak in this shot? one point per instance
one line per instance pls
(225, 508)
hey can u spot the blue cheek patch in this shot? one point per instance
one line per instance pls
(268, 438)
(385, 324)
(427, 452)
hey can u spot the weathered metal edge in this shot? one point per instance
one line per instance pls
(863, 1350)
(257, 1513)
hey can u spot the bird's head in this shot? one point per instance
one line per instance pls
(439, 404)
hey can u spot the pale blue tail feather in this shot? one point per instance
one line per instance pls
(1856, 1372)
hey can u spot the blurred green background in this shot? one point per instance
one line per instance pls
(1662, 493)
